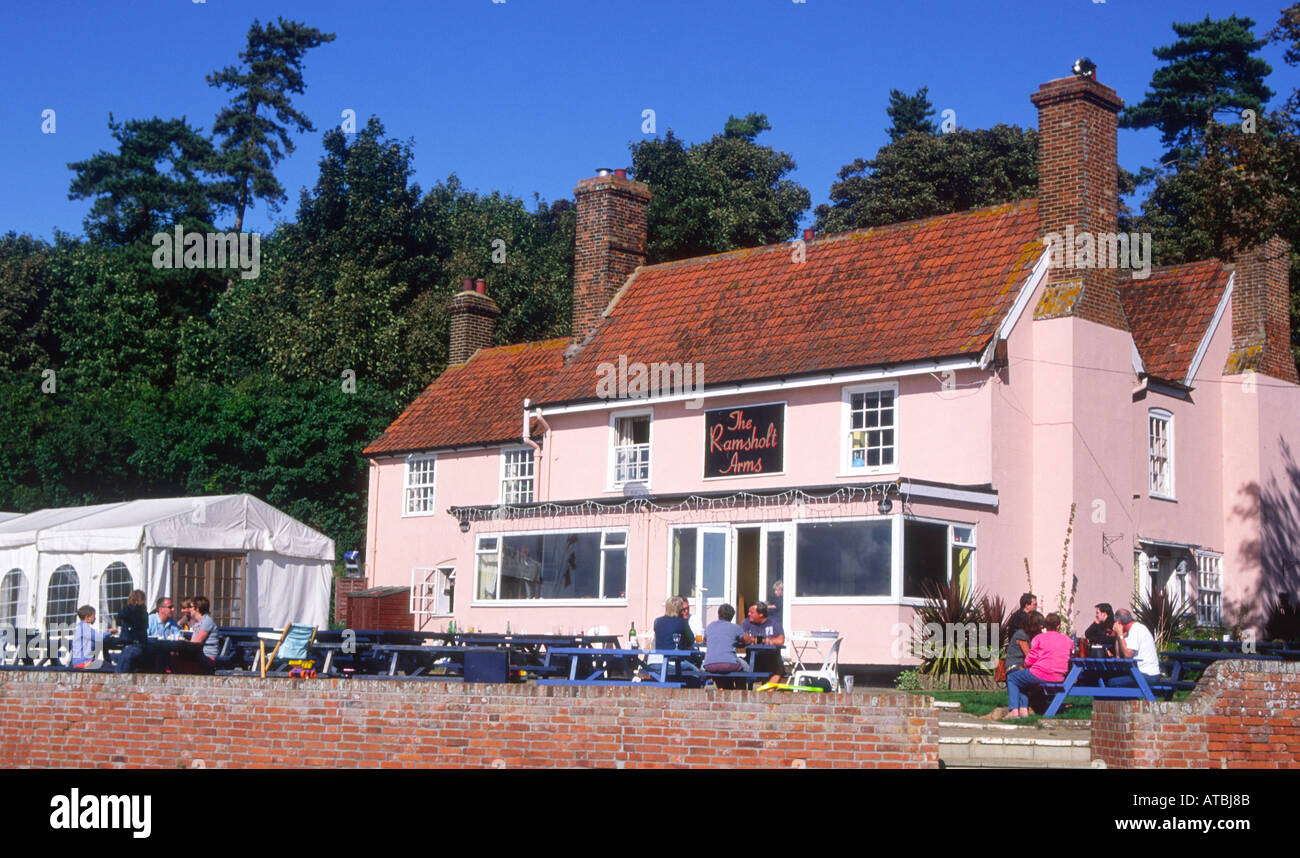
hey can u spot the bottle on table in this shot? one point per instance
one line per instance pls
(631, 637)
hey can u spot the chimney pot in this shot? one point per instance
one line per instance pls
(467, 284)
(807, 235)
(480, 286)
(603, 171)
(621, 173)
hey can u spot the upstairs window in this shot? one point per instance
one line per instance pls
(871, 425)
(419, 485)
(517, 476)
(1160, 453)
(632, 449)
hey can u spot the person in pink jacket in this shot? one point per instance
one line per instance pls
(1047, 662)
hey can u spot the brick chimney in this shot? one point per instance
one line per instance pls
(1078, 191)
(610, 243)
(1261, 317)
(473, 315)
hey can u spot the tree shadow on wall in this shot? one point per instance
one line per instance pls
(1275, 554)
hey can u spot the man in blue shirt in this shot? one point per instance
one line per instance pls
(162, 624)
(760, 628)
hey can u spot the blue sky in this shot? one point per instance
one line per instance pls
(529, 96)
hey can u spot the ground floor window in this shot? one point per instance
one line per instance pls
(61, 597)
(582, 565)
(1209, 590)
(13, 598)
(937, 552)
(114, 589)
(844, 558)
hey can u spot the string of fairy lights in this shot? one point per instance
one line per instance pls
(804, 502)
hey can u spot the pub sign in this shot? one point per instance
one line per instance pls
(744, 441)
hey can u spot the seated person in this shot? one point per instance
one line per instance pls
(720, 641)
(673, 629)
(87, 642)
(133, 631)
(161, 622)
(1047, 662)
(1024, 628)
(1134, 640)
(762, 627)
(1102, 632)
(206, 633)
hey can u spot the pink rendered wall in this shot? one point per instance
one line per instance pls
(1261, 508)
(1196, 517)
(943, 435)
(397, 542)
(1082, 390)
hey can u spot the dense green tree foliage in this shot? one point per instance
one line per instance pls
(910, 114)
(920, 175)
(725, 193)
(1211, 70)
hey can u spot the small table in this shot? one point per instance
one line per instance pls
(802, 643)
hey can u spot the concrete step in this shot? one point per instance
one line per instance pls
(969, 742)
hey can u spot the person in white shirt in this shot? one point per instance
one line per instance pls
(1134, 640)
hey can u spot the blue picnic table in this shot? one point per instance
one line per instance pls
(596, 665)
(1097, 672)
(1181, 660)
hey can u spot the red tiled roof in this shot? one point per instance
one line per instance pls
(1169, 313)
(478, 402)
(923, 289)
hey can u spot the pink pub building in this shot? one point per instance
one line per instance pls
(854, 415)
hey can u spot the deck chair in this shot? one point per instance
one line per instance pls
(294, 643)
(829, 671)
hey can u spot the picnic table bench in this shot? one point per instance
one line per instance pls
(1183, 660)
(1098, 671)
(597, 663)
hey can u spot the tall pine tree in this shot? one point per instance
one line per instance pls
(910, 113)
(255, 125)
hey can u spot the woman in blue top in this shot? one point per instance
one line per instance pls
(673, 629)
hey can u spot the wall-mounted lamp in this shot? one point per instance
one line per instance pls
(464, 525)
(885, 505)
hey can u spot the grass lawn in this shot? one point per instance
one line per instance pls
(980, 703)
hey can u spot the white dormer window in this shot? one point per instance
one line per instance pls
(631, 449)
(419, 485)
(1160, 453)
(870, 427)
(517, 475)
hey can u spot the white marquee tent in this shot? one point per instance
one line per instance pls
(258, 566)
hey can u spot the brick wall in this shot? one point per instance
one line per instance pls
(104, 720)
(473, 317)
(1261, 314)
(1242, 715)
(609, 245)
(1078, 187)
